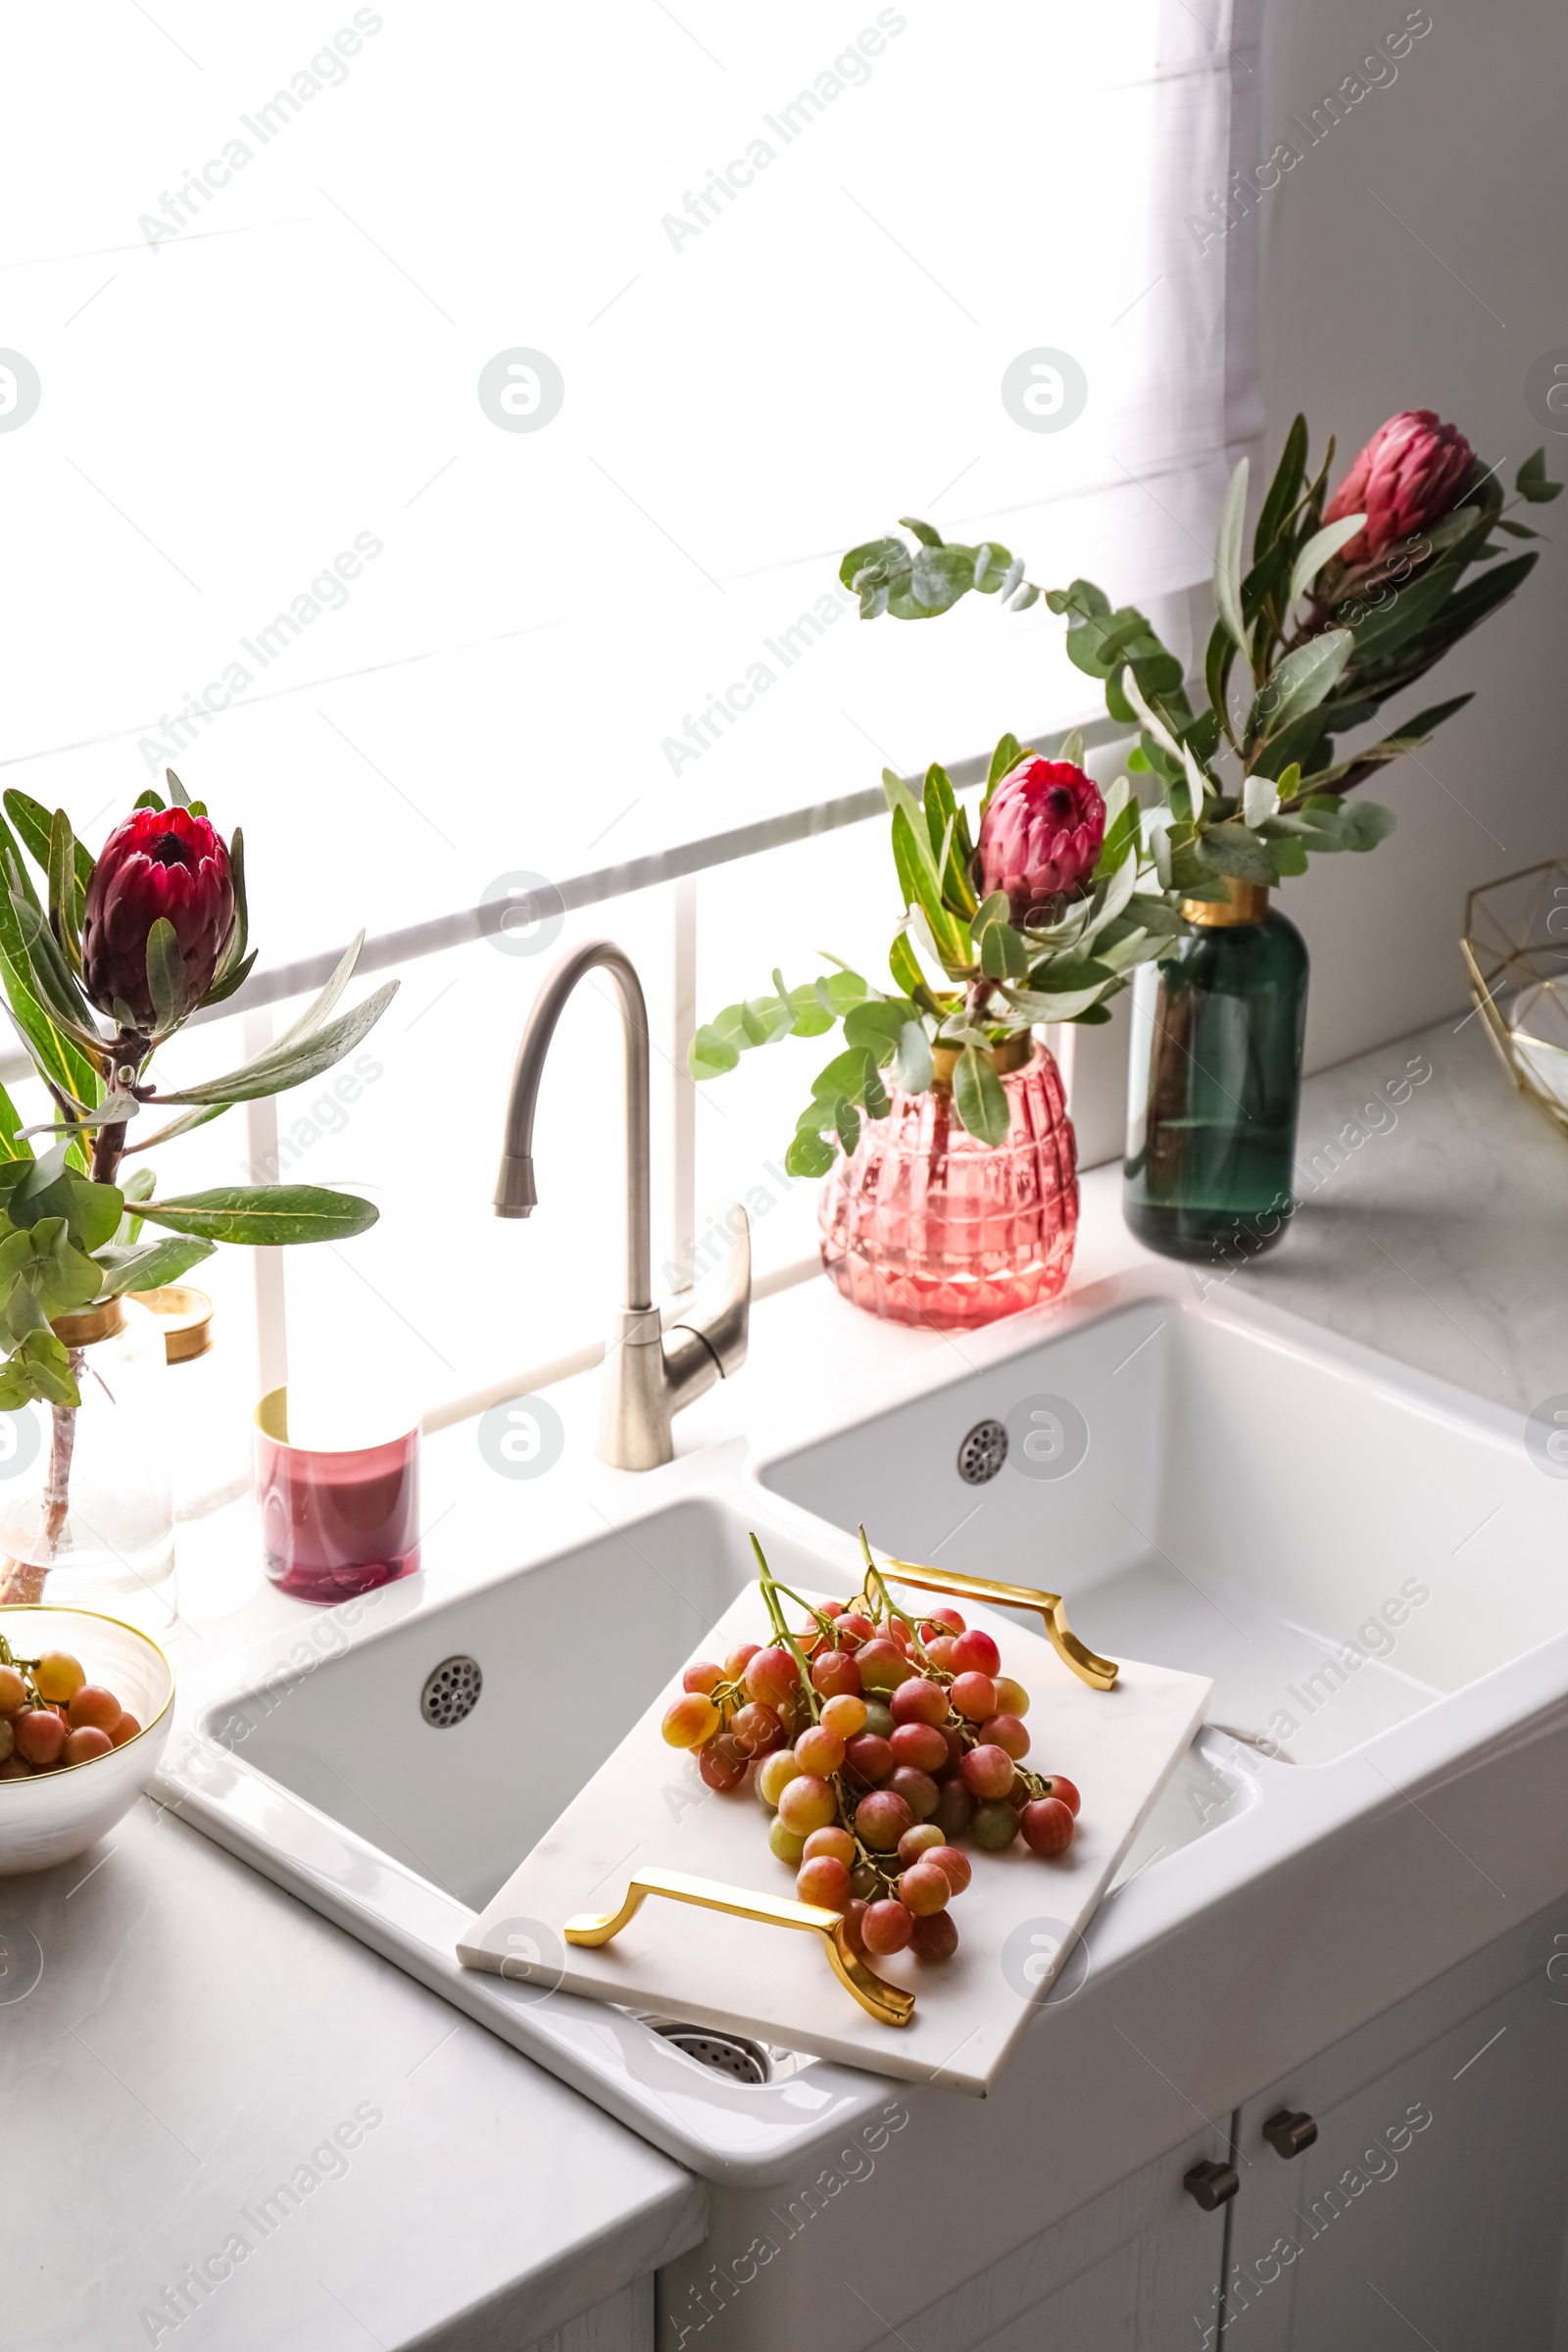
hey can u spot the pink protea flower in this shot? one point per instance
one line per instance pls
(161, 861)
(1041, 834)
(1413, 469)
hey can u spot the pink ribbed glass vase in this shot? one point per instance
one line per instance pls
(924, 1224)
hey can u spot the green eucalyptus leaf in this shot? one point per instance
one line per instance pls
(1299, 682)
(809, 1156)
(941, 575)
(65, 892)
(923, 531)
(52, 981)
(994, 568)
(875, 1028)
(904, 965)
(228, 974)
(914, 1067)
(1221, 653)
(234, 979)
(1202, 737)
(315, 1013)
(1532, 483)
(711, 1053)
(42, 1368)
(1414, 731)
(1228, 556)
(1285, 489)
(885, 558)
(283, 1065)
(1067, 975)
(1318, 549)
(165, 975)
(1411, 608)
(1297, 745)
(265, 1215)
(34, 825)
(14, 1145)
(1066, 1004)
(1003, 760)
(1153, 724)
(1472, 603)
(1231, 849)
(1364, 824)
(1116, 703)
(1199, 786)
(1112, 891)
(1003, 954)
(1261, 800)
(980, 1099)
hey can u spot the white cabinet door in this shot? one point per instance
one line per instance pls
(1136, 2271)
(1432, 2204)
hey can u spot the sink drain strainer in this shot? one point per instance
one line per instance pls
(727, 2053)
(451, 1691)
(982, 1453)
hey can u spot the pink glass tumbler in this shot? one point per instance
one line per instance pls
(335, 1523)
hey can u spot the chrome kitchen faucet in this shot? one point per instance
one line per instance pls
(648, 1377)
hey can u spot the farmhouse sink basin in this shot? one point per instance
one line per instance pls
(1350, 1550)
(1335, 1542)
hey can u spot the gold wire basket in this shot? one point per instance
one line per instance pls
(1515, 948)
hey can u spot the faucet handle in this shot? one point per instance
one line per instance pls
(724, 1331)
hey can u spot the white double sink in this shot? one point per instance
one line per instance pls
(1370, 1566)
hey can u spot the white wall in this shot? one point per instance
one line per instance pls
(1360, 317)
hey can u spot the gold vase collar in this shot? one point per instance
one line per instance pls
(1246, 902)
(1012, 1055)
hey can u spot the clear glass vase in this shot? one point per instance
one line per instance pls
(86, 1520)
(922, 1223)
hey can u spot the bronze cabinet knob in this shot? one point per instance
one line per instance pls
(1212, 2185)
(1290, 2131)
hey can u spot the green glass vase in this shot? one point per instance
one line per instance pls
(1216, 1082)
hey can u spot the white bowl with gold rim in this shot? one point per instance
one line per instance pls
(54, 1815)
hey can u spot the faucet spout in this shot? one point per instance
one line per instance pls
(648, 1380)
(515, 1192)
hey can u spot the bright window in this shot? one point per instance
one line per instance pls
(285, 513)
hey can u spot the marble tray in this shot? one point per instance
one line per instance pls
(1018, 1921)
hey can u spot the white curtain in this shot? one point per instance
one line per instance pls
(780, 264)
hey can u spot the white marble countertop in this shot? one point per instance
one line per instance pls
(195, 2033)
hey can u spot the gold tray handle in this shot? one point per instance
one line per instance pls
(1099, 1673)
(888, 2003)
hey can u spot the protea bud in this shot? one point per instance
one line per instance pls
(1413, 469)
(160, 862)
(1041, 834)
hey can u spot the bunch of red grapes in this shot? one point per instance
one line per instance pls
(877, 1746)
(51, 1717)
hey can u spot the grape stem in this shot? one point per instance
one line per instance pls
(970, 1736)
(770, 1590)
(889, 1604)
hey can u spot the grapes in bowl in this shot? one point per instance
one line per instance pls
(85, 1706)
